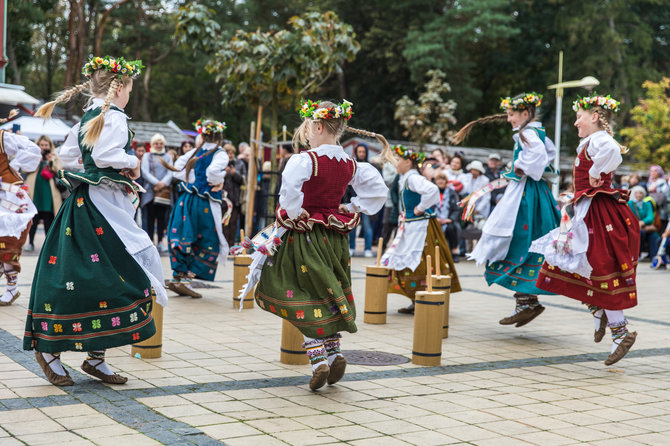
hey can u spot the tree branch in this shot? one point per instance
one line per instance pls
(101, 25)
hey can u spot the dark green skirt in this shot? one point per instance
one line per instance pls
(88, 292)
(308, 282)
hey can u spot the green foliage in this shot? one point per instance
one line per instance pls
(649, 139)
(428, 120)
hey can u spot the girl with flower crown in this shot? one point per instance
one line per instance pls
(195, 236)
(593, 256)
(418, 231)
(303, 271)
(97, 270)
(526, 211)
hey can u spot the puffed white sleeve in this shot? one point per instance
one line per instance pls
(216, 170)
(533, 157)
(69, 153)
(371, 191)
(109, 149)
(606, 155)
(180, 164)
(24, 154)
(298, 170)
(430, 194)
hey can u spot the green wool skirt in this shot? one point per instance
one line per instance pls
(88, 292)
(308, 282)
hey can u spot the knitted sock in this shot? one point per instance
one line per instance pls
(97, 360)
(332, 345)
(524, 302)
(617, 324)
(597, 313)
(55, 365)
(316, 352)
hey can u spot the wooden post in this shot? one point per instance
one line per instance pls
(428, 314)
(291, 351)
(252, 175)
(152, 347)
(240, 272)
(376, 291)
(442, 283)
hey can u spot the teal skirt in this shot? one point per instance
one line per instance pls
(308, 282)
(88, 292)
(538, 214)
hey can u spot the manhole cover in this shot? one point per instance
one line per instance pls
(197, 284)
(365, 357)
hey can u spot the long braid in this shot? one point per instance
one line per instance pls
(467, 128)
(608, 128)
(387, 154)
(93, 128)
(46, 109)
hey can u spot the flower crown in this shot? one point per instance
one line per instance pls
(522, 102)
(408, 154)
(587, 102)
(209, 127)
(117, 65)
(311, 110)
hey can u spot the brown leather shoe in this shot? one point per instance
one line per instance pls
(172, 286)
(14, 297)
(528, 315)
(184, 290)
(337, 369)
(319, 377)
(53, 377)
(600, 332)
(109, 379)
(407, 310)
(622, 349)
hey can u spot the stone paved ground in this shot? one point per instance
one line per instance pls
(220, 381)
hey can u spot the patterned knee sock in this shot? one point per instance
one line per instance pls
(12, 284)
(53, 359)
(617, 323)
(525, 301)
(316, 352)
(597, 313)
(332, 345)
(97, 360)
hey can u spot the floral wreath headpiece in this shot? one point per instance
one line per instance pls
(209, 127)
(311, 110)
(409, 154)
(117, 65)
(587, 102)
(522, 102)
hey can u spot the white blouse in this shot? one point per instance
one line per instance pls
(23, 154)
(430, 193)
(371, 191)
(216, 170)
(535, 155)
(603, 150)
(108, 150)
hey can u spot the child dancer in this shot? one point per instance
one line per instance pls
(195, 236)
(16, 208)
(308, 280)
(526, 211)
(97, 270)
(593, 256)
(418, 231)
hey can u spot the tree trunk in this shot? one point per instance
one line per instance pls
(146, 76)
(274, 123)
(71, 67)
(622, 77)
(16, 73)
(342, 81)
(101, 26)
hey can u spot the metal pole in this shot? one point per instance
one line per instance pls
(557, 130)
(4, 39)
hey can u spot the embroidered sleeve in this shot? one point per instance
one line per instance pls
(430, 194)
(69, 153)
(181, 165)
(216, 171)
(298, 170)
(371, 191)
(109, 151)
(534, 156)
(605, 153)
(23, 153)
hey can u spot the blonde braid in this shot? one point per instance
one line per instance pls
(467, 128)
(46, 109)
(387, 154)
(93, 128)
(606, 126)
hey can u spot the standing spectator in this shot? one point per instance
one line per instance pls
(157, 200)
(232, 183)
(43, 189)
(285, 153)
(493, 169)
(434, 164)
(474, 180)
(448, 214)
(391, 179)
(633, 180)
(185, 147)
(454, 172)
(644, 212)
(659, 191)
(361, 156)
(242, 167)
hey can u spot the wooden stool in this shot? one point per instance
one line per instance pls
(152, 347)
(376, 294)
(291, 351)
(240, 272)
(428, 315)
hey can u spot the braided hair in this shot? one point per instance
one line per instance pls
(604, 118)
(467, 128)
(47, 108)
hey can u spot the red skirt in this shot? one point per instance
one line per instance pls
(614, 246)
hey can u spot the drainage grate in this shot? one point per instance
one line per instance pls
(365, 357)
(197, 284)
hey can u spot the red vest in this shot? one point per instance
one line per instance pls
(7, 173)
(580, 175)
